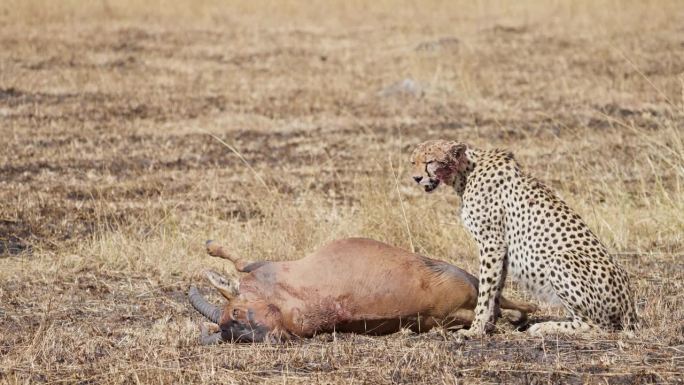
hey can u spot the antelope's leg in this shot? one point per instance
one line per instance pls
(216, 250)
(460, 317)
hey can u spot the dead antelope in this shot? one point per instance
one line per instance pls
(350, 285)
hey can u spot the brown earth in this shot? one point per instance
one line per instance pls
(131, 133)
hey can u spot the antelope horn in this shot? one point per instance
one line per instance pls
(213, 313)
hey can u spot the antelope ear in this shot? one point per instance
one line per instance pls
(229, 288)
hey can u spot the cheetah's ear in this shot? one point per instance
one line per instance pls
(456, 155)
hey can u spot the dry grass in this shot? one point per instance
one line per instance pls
(112, 176)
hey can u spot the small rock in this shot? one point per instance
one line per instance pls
(445, 43)
(406, 87)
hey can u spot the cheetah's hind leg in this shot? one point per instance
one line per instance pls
(571, 288)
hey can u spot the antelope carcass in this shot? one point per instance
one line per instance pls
(350, 285)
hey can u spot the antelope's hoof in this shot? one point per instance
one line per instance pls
(213, 248)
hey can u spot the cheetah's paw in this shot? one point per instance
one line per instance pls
(470, 333)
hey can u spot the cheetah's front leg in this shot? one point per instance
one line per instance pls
(492, 275)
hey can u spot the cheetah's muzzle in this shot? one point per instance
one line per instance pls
(432, 185)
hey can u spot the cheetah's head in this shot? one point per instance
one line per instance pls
(437, 161)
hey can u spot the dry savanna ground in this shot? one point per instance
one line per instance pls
(130, 132)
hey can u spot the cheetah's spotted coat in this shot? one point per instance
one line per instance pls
(523, 229)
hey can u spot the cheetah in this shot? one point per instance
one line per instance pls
(523, 229)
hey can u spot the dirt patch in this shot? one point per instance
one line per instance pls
(110, 181)
(12, 238)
